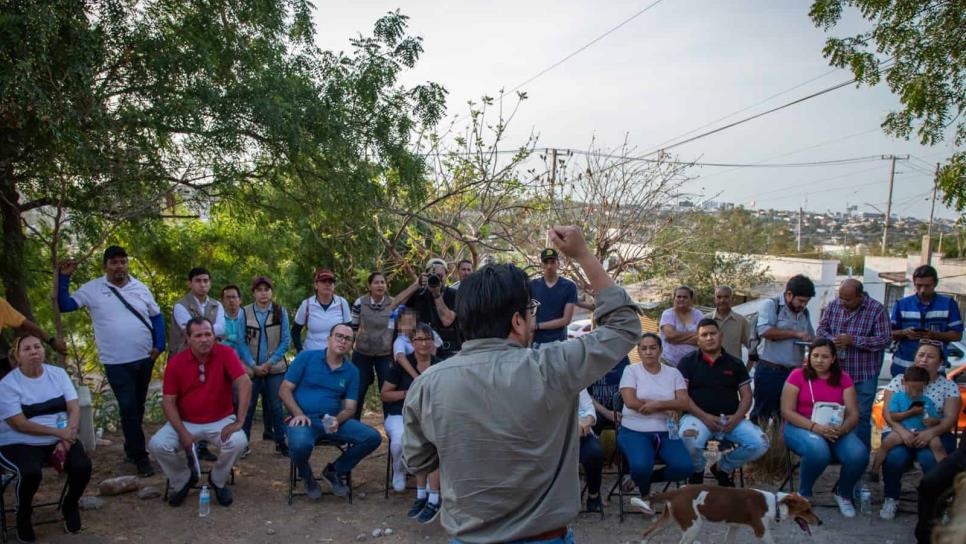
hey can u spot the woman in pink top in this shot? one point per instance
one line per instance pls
(822, 380)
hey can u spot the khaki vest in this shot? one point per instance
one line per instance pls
(374, 337)
(273, 332)
(177, 341)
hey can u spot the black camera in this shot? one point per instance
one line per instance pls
(433, 281)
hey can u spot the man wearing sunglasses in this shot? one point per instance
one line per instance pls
(197, 398)
(499, 419)
(320, 383)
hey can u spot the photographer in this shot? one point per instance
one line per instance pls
(435, 303)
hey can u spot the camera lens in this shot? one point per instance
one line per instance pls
(433, 280)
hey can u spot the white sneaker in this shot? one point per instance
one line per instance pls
(399, 481)
(845, 506)
(643, 505)
(889, 507)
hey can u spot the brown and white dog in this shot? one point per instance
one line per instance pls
(691, 505)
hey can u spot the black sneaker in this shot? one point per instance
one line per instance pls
(175, 499)
(145, 470)
(429, 513)
(25, 529)
(724, 478)
(281, 449)
(417, 507)
(204, 454)
(72, 521)
(872, 477)
(696, 478)
(339, 489)
(594, 504)
(222, 494)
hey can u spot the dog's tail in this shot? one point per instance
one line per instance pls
(657, 526)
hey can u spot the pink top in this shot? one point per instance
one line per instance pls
(821, 388)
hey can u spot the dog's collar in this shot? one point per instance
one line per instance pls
(778, 509)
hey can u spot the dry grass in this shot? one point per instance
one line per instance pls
(773, 466)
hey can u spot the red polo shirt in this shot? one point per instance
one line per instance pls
(203, 402)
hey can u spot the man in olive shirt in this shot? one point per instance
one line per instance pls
(499, 420)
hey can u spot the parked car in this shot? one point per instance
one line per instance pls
(578, 328)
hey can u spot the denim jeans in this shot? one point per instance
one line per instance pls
(129, 382)
(768, 384)
(592, 459)
(641, 449)
(369, 365)
(866, 390)
(899, 459)
(362, 439)
(817, 453)
(750, 443)
(267, 386)
(567, 539)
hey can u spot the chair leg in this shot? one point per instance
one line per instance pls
(620, 490)
(3, 512)
(388, 470)
(291, 481)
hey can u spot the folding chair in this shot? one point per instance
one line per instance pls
(200, 482)
(6, 478)
(294, 478)
(389, 470)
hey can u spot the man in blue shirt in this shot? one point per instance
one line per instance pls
(924, 315)
(557, 297)
(324, 383)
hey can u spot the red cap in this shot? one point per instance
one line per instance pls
(324, 274)
(260, 280)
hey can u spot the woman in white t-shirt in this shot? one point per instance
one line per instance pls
(39, 417)
(319, 313)
(652, 393)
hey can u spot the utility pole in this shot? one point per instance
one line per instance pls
(932, 211)
(800, 213)
(553, 181)
(888, 213)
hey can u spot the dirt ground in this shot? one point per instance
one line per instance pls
(261, 513)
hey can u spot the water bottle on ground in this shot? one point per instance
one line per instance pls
(865, 500)
(204, 502)
(62, 420)
(329, 423)
(722, 420)
(672, 427)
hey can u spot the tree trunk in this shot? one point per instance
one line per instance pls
(11, 262)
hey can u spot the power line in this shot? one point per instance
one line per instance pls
(832, 162)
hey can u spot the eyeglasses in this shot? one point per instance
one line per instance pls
(201, 372)
(422, 339)
(930, 342)
(532, 307)
(343, 337)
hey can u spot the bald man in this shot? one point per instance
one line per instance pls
(860, 328)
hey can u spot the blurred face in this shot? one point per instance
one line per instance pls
(116, 269)
(709, 339)
(340, 341)
(325, 288)
(200, 285)
(722, 300)
(465, 270)
(821, 359)
(929, 357)
(795, 303)
(422, 344)
(925, 287)
(682, 299)
(201, 339)
(378, 287)
(407, 322)
(550, 267)
(263, 294)
(914, 389)
(850, 298)
(30, 352)
(231, 299)
(648, 350)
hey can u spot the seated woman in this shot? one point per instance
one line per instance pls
(602, 394)
(822, 380)
(39, 417)
(591, 455)
(397, 383)
(652, 394)
(915, 445)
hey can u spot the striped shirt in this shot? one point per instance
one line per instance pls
(870, 331)
(940, 315)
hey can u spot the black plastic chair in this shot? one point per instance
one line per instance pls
(294, 478)
(7, 478)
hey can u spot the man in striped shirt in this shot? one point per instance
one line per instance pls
(859, 327)
(924, 315)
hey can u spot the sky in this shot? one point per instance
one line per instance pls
(676, 67)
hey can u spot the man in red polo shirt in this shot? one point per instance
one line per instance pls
(197, 401)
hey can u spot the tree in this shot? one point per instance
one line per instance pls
(924, 65)
(135, 102)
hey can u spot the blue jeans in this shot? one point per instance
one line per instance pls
(817, 453)
(750, 443)
(369, 365)
(362, 438)
(640, 449)
(768, 384)
(592, 459)
(267, 386)
(567, 539)
(900, 457)
(129, 382)
(866, 390)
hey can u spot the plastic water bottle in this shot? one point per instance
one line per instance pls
(62, 420)
(329, 423)
(204, 502)
(723, 421)
(672, 428)
(865, 500)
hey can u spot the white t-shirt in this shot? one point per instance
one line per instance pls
(120, 336)
(660, 386)
(402, 344)
(321, 320)
(18, 391)
(182, 316)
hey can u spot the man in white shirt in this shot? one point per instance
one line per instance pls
(129, 333)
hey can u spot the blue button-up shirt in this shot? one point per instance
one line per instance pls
(782, 352)
(940, 315)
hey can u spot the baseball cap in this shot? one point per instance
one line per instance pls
(548, 253)
(260, 280)
(435, 261)
(114, 251)
(324, 274)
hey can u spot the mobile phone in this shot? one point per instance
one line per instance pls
(916, 403)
